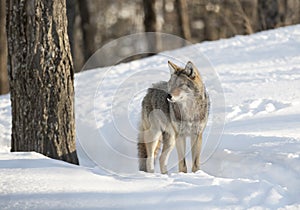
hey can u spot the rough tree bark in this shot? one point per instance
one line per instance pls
(41, 78)
(4, 87)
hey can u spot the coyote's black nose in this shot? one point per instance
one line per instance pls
(169, 96)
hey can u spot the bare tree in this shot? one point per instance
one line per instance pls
(88, 31)
(183, 19)
(150, 24)
(269, 14)
(71, 15)
(4, 87)
(41, 78)
(243, 16)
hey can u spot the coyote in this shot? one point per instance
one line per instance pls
(172, 111)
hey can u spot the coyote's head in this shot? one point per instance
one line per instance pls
(184, 82)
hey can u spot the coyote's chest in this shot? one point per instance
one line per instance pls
(185, 118)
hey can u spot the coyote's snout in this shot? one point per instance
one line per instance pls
(172, 111)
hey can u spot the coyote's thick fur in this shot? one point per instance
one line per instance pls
(172, 111)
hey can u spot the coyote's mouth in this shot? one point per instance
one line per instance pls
(169, 98)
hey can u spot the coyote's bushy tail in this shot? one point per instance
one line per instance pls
(142, 151)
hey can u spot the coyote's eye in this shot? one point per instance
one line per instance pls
(189, 85)
(185, 86)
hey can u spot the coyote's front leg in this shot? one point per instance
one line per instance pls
(196, 142)
(180, 147)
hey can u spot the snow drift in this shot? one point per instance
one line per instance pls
(256, 164)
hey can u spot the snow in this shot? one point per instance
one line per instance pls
(255, 164)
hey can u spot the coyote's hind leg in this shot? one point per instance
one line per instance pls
(168, 145)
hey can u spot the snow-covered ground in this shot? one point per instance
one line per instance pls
(256, 164)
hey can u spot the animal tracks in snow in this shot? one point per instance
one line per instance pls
(254, 107)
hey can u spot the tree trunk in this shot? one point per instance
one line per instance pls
(71, 15)
(41, 78)
(4, 87)
(268, 11)
(183, 19)
(88, 31)
(150, 16)
(150, 25)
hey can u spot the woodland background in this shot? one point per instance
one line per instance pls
(98, 22)
(93, 23)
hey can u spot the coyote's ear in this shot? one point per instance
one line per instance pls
(173, 67)
(190, 70)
